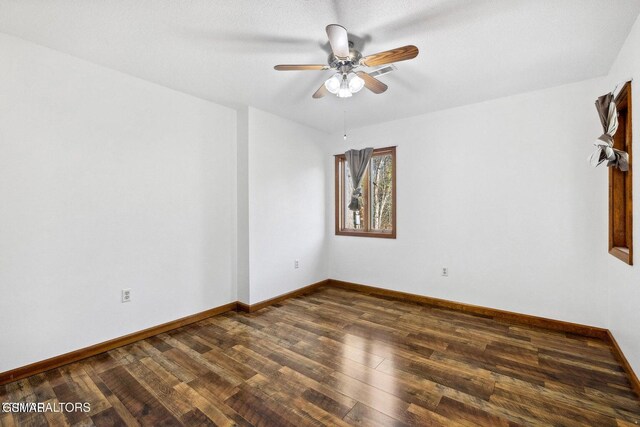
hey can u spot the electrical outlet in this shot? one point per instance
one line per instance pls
(126, 295)
(296, 263)
(445, 271)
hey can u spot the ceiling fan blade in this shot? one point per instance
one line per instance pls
(339, 40)
(301, 67)
(322, 91)
(371, 83)
(388, 56)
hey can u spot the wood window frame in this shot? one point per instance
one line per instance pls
(339, 186)
(620, 185)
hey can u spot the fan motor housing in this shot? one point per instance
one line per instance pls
(353, 60)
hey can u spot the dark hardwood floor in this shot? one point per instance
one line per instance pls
(341, 358)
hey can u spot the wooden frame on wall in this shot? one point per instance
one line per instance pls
(620, 185)
(339, 186)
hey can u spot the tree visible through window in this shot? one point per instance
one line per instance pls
(376, 217)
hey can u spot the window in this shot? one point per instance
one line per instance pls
(620, 206)
(377, 215)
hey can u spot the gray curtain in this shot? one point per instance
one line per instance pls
(604, 151)
(358, 160)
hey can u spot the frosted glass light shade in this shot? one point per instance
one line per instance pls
(333, 83)
(344, 92)
(355, 83)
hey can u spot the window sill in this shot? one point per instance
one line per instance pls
(378, 234)
(622, 254)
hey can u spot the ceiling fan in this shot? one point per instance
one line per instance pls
(344, 59)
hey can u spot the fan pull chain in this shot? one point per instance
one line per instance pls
(344, 123)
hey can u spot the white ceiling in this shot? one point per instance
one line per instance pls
(224, 51)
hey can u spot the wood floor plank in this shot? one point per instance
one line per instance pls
(371, 396)
(318, 413)
(258, 410)
(467, 414)
(321, 394)
(541, 403)
(215, 410)
(87, 390)
(420, 393)
(281, 391)
(138, 401)
(196, 417)
(364, 415)
(6, 420)
(116, 404)
(107, 418)
(338, 357)
(176, 403)
(469, 384)
(418, 415)
(65, 393)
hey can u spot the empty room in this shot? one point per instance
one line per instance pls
(319, 213)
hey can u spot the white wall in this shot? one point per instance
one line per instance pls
(500, 193)
(242, 206)
(286, 205)
(106, 182)
(623, 281)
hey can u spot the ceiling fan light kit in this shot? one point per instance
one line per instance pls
(344, 85)
(344, 59)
